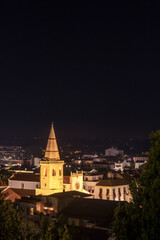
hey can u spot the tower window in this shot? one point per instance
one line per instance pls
(54, 172)
(60, 171)
(45, 172)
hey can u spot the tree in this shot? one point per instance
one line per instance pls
(61, 230)
(11, 225)
(140, 218)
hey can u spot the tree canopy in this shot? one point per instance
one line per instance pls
(140, 218)
(11, 224)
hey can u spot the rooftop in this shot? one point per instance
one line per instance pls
(70, 194)
(30, 177)
(23, 192)
(112, 182)
(101, 210)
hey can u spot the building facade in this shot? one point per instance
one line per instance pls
(51, 179)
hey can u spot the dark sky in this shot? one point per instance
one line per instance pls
(93, 71)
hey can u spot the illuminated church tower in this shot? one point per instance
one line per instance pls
(51, 168)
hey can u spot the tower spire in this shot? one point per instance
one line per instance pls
(52, 152)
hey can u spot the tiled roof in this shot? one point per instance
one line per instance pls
(30, 177)
(101, 210)
(112, 182)
(24, 192)
(127, 177)
(32, 199)
(70, 194)
(9, 194)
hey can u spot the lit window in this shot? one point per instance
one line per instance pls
(45, 172)
(60, 171)
(31, 211)
(53, 172)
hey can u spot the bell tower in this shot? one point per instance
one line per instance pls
(51, 168)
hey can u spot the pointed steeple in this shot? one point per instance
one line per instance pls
(52, 152)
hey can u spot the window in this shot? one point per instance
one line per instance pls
(119, 194)
(107, 192)
(114, 194)
(22, 185)
(60, 171)
(100, 193)
(36, 185)
(31, 211)
(107, 198)
(45, 185)
(45, 172)
(53, 172)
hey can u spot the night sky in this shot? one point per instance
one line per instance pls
(92, 70)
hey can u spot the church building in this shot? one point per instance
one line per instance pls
(51, 168)
(51, 179)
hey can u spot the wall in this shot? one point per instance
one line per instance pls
(104, 191)
(27, 185)
(77, 181)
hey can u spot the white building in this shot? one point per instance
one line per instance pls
(135, 159)
(115, 189)
(120, 164)
(90, 181)
(36, 162)
(28, 181)
(113, 152)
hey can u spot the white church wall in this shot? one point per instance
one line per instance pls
(24, 184)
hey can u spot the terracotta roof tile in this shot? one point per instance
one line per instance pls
(23, 192)
(9, 194)
(30, 177)
(71, 194)
(112, 182)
